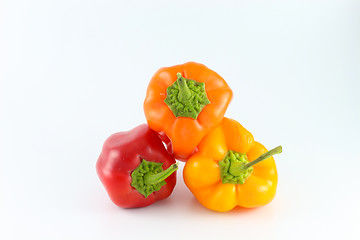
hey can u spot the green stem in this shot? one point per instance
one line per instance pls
(161, 176)
(236, 168)
(185, 92)
(264, 156)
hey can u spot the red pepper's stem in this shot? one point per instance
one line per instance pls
(264, 156)
(184, 93)
(161, 176)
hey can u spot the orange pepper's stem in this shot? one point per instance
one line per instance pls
(184, 93)
(264, 156)
(186, 97)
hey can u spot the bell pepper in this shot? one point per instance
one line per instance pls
(135, 168)
(231, 169)
(183, 103)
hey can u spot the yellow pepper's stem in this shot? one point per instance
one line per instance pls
(264, 156)
(235, 167)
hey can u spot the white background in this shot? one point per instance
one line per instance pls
(73, 72)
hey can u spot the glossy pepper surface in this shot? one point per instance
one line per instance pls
(135, 168)
(231, 169)
(183, 103)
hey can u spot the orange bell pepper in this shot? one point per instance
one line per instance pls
(224, 174)
(183, 103)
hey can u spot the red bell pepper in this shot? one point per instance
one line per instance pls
(135, 168)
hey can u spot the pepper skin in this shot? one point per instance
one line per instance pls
(221, 179)
(185, 110)
(121, 166)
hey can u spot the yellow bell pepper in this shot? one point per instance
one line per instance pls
(230, 169)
